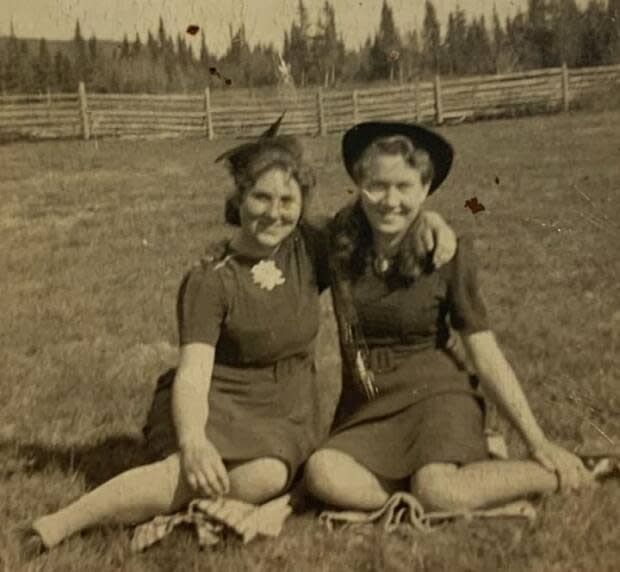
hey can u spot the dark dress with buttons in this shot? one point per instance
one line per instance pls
(263, 399)
(428, 409)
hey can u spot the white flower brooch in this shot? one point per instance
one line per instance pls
(267, 275)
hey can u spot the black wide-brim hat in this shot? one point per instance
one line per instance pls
(360, 136)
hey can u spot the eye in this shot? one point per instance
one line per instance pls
(261, 195)
(403, 186)
(377, 186)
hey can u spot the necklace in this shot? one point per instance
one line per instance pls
(381, 264)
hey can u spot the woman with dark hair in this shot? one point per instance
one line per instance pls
(407, 411)
(239, 415)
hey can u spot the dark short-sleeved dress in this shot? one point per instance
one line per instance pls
(263, 399)
(428, 409)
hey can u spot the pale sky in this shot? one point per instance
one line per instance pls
(265, 19)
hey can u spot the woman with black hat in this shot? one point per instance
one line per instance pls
(407, 410)
(239, 414)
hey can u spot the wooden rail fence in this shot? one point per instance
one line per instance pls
(231, 113)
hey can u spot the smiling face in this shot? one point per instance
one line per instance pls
(270, 210)
(391, 192)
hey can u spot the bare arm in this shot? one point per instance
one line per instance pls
(190, 391)
(202, 464)
(501, 384)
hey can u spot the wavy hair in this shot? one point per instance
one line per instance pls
(350, 240)
(416, 157)
(246, 166)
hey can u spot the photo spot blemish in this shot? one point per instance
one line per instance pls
(474, 205)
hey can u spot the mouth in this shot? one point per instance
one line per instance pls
(390, 215)
(271, 228)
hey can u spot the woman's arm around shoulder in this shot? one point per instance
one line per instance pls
(432, 234)
(316, 235)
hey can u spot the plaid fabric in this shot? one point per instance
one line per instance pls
(403, 509)
(213, 518)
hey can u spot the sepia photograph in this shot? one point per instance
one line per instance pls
(310, 285)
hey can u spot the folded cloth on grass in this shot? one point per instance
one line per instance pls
(603, 463)
(403, 509)
(213, 518)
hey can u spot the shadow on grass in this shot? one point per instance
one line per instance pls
(98, 462)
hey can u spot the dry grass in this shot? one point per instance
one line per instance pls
(95, 241)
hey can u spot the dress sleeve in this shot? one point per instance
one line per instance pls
(316, 237)
(201, 306)
(467, 309)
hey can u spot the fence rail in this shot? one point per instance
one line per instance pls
(231, 113)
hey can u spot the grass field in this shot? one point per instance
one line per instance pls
(95, 238)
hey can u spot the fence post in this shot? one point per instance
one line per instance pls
(355, 108)
(49, 103)
(565, 93)
(84, 111)
(438, 106)
(208, 118)
(321, 112)
(418, 114)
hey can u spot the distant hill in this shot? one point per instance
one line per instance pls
(105, 47)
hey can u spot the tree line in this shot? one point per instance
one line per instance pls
(548, 33)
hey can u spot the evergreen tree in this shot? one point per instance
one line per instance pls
(539, 35)
(410, 59)
(57, 71)
(431, 38)
(456, 37)
(64, 77)
(385, 52)
(182, 55)
(43, 67)
(162, 38)
(204, 52)
(136, 47)
(566, 26)
(595, 35)
(478, 52)
(262, 69)
(502, 61)
(13, 63)
(81, 65)
(125, 52)
(169, 58)
(298, 55)
(151, 44)
(327, 45)
(98, 64)
(517, 41)
(2, 72)
(613, 16)
(92, 48)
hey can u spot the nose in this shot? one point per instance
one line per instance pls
(391, 197)
(273, 210)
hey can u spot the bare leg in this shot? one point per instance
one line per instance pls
(131, 497)
(338, 479)
(257, 481)
(159, 488)
(442, 486)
